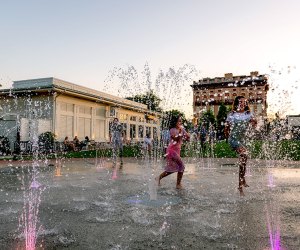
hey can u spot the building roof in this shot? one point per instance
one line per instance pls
(61, 86)
(229, 81)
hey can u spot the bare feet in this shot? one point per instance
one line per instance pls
(243, 182)
(157, 180)
(241, 191)
(179, 186)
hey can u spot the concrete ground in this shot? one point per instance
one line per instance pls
(95, 204)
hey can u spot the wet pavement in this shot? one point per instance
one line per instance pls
(94, 204)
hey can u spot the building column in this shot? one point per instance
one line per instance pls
(93, 123)
(75, 120)
(106, 128)
(137, 131)
(127, 129)
(57, 120)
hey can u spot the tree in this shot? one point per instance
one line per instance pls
(149, 98)
(167, 116)
(222, 115)
(208, 118)
(221, 118)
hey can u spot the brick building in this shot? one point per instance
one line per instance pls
(209, 93)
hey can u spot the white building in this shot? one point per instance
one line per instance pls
(66, 109)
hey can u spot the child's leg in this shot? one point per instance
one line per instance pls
(163, 175)
(242, 166)
(114, 151)
(179, 177)
(243, 162)
(180, 165)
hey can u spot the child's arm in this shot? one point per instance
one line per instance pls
(174, 135)
(186, 135)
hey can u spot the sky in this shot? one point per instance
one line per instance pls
(83, 42)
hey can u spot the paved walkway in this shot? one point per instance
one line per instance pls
(89, 204)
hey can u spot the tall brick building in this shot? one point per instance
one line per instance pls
(209, 93)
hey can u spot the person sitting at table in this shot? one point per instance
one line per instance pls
(85, 143)
(76, 142)
(69, 145)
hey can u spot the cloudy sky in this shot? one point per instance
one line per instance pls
(85, 41)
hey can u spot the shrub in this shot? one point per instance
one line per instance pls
(47, 140)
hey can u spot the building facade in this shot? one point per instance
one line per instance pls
(32, 107)
(209, 93)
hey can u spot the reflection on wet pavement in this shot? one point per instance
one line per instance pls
(102, 205)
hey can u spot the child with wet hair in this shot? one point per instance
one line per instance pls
(237, 123)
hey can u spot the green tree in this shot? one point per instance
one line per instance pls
(208, 118)
(222, 115)
(221, 118)
(165, 122)
(149, 98)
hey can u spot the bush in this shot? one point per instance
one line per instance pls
(47, 139)
(4, 145)
(269, 150)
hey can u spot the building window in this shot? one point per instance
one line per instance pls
(133, 118)
(141, 131)
(66, 126)
(101, 111)
(84, 128)
(99, 129)
(63, 107)
(148, 131)
(123, 117)
(155, 135)
(112, 112)
(87, 110)
(81, 109)
(70, 107)
(132, 131)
